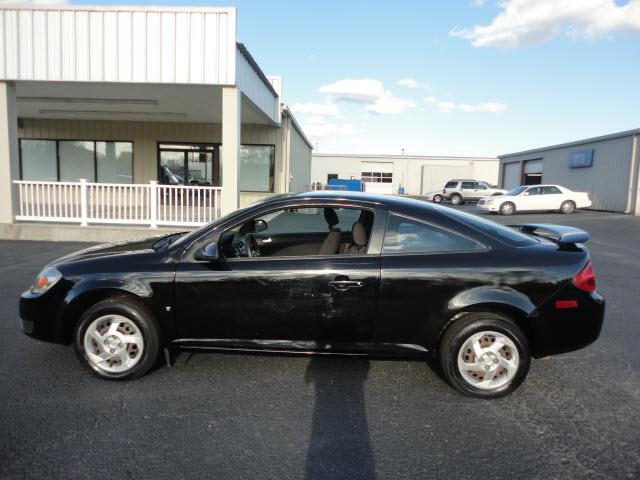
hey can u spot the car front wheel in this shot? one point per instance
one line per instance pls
(484, 355)
(456, 199)
(117, 339)
(567, 207)
(507, 208)
(437, 198)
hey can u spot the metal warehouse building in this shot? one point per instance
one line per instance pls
(606, 167)
(388, 173)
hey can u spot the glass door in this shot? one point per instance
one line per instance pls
(188, 164)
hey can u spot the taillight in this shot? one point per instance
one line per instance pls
(586, 279)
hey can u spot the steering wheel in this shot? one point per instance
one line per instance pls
(244, 245)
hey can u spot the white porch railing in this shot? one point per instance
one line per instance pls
(134, 204)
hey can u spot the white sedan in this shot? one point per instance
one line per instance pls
(536, 197)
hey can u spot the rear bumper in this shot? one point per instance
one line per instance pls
(561, 330)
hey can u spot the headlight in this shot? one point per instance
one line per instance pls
(46, 279)
(488, 202)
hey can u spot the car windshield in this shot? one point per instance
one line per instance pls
(516, 191)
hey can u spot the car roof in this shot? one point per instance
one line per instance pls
(390, 201)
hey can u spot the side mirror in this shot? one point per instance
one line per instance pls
(209, 253)
(259, 226)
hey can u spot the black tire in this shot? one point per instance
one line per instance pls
(456, 199)
(568, 206)
(437, 198)
(458, 333)
(133, 311)
(507, 208)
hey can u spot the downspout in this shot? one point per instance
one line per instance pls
(632, 198)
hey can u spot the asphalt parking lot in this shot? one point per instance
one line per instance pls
(275, 417)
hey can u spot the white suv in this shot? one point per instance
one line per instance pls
(459, 191)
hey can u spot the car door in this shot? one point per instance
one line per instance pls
(297, 301)
(553, 197)
(530, 199)
(469, 190)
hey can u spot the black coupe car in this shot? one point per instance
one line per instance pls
(329, 272)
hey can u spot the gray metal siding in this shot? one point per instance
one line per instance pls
(299, 162)
(607, 181)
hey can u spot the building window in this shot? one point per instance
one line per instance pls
(331, 176)
(71, 160)
(76, 161)
(257, 167)
(39, 160)
(189, 164)
(114, 161)
(377, 177)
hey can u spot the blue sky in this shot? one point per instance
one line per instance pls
(476, 77)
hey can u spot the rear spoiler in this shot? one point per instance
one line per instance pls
(560, 234)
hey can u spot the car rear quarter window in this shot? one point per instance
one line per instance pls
(406, 235)
(503, 234)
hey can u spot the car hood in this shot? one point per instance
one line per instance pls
(109, 249)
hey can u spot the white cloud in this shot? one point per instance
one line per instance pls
(477, 3)
(413, 83)
(446, 106)
(389, 104)
(365, 90)
(524, 23)
(312, 108)
(488, 107)
(369, 92)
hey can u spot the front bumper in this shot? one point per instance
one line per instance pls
(493, 207)
(40, 314)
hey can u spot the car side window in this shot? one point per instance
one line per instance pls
(406, 235)
(534, 191)
(451, 185)
(468, 185)
(551, 191)
(481, 186)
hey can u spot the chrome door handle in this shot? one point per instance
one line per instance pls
(343, 285)
(266, 240)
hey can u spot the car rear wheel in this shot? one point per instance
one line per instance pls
(117, 339)
(484, 355)
(568, 207)
(507, 208)
(456, 199)
(437, 198)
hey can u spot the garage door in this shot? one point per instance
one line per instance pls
(511, 178)
(533, 172)
(377, 177)
(434, 177)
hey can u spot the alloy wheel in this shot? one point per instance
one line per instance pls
(113, 343)
(488, 360)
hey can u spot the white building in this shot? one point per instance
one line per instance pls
(162, 114)
(388, 173)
